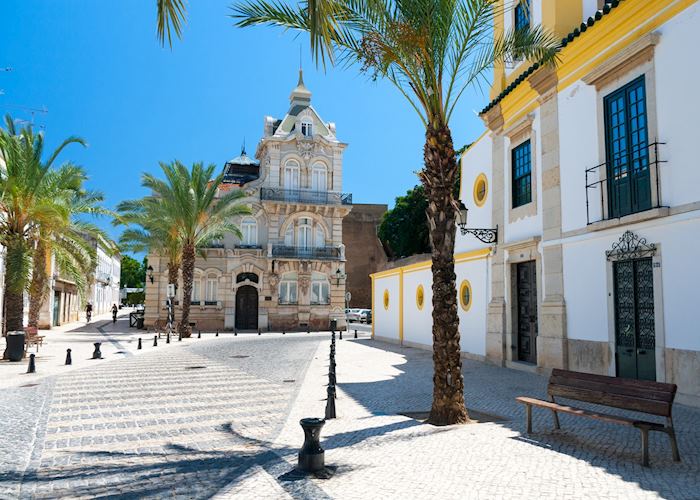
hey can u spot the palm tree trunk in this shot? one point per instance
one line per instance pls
(38, 286)
(438, 177)
(15, 281)
(187, 278)
(172, 273)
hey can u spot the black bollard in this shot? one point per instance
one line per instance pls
(308, 329)
(139, 346)
(155, 341)
(199, 334)
(355, 332)
(235, 333)
(311, 455)
(341, 334)
(32, 364)
(283, 332)
(167, 338)
(330, 402)
(179, 336)
(97, 354)
(217, 333)
(69, 360)
(258, 330)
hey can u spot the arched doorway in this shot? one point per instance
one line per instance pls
(247, 308)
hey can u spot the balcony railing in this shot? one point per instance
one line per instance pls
(320, 253)
(245, 246)
(306, 196)
(627, 185)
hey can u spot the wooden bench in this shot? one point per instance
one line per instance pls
(161, 326)
(653, 398)
(32, 337)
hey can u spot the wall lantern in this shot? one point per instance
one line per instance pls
(150, 273)
(484, 235)
(339, 275)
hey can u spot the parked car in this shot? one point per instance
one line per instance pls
(352, 315)
(368, 317)
(364, 314)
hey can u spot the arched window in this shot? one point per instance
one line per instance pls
(289, 235)
(196, 290)
(320, 289)
(304, 233)
(249, 228)
(247, 276)
(291, 176)
(319, 177)
(288, 289)
(319, 236)
(211, 290)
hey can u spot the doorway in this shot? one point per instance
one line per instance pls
(526, 317)
(56, 308)
(635, 335)
(247, 308)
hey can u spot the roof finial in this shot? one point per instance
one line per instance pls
(243, 147)
(301, 69)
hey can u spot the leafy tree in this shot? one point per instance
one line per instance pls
(404, 228)
(23, 208)
(133, 274)
(432, 51)
(195, 213)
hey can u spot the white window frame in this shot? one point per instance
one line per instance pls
(320, 290)
(249, 228)
(305, 233)
(288, 289)
(319, 177)
(306, 128)
(211, 290)
(319, 236)
(196, 290)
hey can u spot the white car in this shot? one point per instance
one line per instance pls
(353, 315)
(364, 314)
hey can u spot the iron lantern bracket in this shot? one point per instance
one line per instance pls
(482, 234)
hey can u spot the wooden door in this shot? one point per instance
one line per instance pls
(635, 337)
(526, 321)
(247, 308)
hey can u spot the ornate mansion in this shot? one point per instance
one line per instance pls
(287, 271)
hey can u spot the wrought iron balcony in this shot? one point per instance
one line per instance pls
(306, 196)
(625, 185)
(319, 253)
(245, 246)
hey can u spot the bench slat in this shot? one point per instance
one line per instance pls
(605, 398)
(625, 382)
(622, 390)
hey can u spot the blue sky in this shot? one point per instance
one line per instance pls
(98, 69)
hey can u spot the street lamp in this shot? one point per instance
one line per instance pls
(482, 234)
(150, 273)
(339, 275)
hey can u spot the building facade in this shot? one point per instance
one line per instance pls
(588, 172)
(287, 272)
(363, 250)
(104, 292)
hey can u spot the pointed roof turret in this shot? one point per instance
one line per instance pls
(300, 95)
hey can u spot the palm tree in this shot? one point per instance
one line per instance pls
(431, 51)
(150, 231)
(64, 236)
(188, 198)
(22, 207)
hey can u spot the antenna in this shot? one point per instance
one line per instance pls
(243, 147)
(300, 65)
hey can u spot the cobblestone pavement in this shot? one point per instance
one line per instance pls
(220, 418)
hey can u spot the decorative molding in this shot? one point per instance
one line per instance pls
(520, 129)
(635, 54)
(544, 81)
(493, 119)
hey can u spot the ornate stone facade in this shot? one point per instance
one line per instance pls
(287, 272)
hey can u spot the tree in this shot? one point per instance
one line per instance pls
(431, 51)
(65, 236)
(22, 208)
(404, 228)
(132, 273)
(196, 213)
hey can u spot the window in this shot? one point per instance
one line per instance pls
(289, 235)
(304, 233)
(210, 296)
(420, 297)
(465, 295)
(480, 190)
(306, 130)
(627, 154)
(522, 15)
(319, 236)
(196, 291)
(320, 289)
(291, 176)
(288, 289)
(319, 178)
(249, 228)
(521, 164)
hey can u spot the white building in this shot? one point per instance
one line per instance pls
(588, 172)
(104, 292)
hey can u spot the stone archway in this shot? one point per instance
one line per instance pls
(246, 308)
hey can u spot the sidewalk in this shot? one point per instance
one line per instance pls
(118, 341)
(380, 453)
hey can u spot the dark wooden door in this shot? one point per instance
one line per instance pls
(247, 308)
(626, 144)
(526, 296)
(635, 337)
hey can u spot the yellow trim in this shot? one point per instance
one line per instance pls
(475, 190)
(374, 316)
(420, 297)
(629, 22)
(467, 285)
(386, 299)
(419, 266)
(401, 307)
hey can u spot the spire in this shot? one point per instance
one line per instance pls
(243, 147)
(300, 95)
